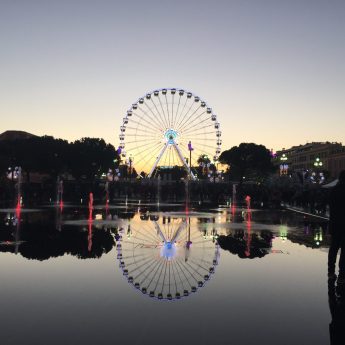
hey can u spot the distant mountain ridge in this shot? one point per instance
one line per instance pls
(16, 135)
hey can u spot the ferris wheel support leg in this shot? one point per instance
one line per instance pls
(177, 233)
(190, 173)
(157, 160)
(159, 232)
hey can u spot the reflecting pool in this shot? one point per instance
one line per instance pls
(138, 274)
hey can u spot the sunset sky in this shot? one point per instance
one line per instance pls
(273, 71)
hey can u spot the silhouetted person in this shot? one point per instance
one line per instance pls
(337, 229)
(337, 309)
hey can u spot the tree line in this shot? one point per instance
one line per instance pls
(86, 158)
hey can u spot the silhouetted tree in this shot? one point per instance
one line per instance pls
(91, 157)
(248, 160)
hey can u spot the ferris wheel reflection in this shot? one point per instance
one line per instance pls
(167, 258)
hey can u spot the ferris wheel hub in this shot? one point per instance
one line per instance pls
(171, 136)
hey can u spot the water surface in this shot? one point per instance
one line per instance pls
(134, 275)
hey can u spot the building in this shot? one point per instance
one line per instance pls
(322, 156)
(336, 163)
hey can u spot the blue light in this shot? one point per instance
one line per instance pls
(170, 136)
(168, 250)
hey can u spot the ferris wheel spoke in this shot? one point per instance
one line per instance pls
(139, 266)
(193, 129)
(198, 264)
(129, 259)
(160, 102)
(178, 106)
(185, 115)
(172, 111)
(141, 135)
(198, 120)
(153, 122)
(146, 231)
(150, 129)
(159, 114)
(153, 119)
(174, 276)
(136, 141)
(183, 273)
(152, 146)
(179, 277)
(178, 116)
(167, 106)
(198, 134)
(188, 118)
(165, 272)
(156, 265)
(157, 118)
(146, 238)
(160, 274)
(146, 271)
(136, 264)
(150, 153)
(187, 264)
(184, 268)
(142, 146)
(203, 144)
(159, 266)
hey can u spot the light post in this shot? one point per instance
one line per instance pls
(318, 163)
(130, 167)
(190, 149)
(317, 176)
(283, 165)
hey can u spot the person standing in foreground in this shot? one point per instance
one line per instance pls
(337, 230)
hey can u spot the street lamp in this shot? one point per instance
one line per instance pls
(13, 173)
(283, 166)
(317, 176)
(318, 163)
(190, 149)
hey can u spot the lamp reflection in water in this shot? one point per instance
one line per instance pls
(13, 220)
(59, 193)
(90, 221)
(249, 219)
(166, 260)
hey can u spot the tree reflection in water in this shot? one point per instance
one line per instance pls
(41, 239)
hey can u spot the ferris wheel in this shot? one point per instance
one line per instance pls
(168, 259)
(167, 128)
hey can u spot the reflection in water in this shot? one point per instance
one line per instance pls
(167, 259)
(247, 244)
(38, 236)
(166, 255)
(59, 193)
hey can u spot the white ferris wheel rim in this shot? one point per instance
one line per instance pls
(161, 127)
